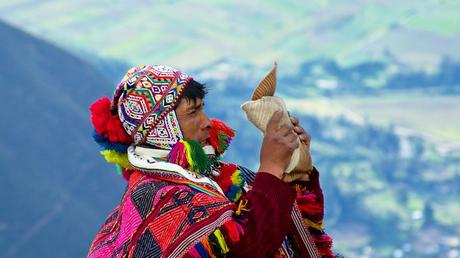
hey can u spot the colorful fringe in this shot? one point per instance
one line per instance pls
(220, 136)
(312, 213)
(216, 245)
(189, 155)
(231, 180)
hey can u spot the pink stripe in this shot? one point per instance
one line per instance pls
(130, 221)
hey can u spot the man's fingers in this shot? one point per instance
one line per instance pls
(273, 124)
(294, 120)
(298, 129)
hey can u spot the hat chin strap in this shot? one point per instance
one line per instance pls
(152, 155)
(146, 159)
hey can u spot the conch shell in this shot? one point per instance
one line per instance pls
(260, 109)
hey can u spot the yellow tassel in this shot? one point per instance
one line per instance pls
(112, 156)
(236, 178)
(318, 226)
(242, 207)
(221, 240)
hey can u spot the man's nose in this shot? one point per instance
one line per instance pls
(206, 124)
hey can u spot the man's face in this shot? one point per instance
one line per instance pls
(194, 123)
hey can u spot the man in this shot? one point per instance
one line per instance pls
(181, 199)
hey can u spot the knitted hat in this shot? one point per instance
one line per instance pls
(143, 112)
(145, 100)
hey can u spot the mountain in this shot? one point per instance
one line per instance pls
(55, 189)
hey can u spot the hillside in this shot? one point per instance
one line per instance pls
(55, 189)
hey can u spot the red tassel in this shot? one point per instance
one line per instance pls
(221, 126)
(106, 123)
(233, 232)
(224, 179)
(309, 206)
(220, 135)
(312, 211)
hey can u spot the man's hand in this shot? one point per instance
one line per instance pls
(277, 147)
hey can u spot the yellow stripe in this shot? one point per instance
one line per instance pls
(195, 185)
(188, 153)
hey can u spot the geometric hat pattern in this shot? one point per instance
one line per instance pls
(145, 100)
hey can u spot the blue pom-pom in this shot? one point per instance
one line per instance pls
(107, 145)
(233, 190)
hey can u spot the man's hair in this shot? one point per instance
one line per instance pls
(194, 91)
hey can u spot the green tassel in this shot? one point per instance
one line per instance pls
(197, 159)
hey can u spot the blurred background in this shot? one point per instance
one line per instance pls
(376, 83)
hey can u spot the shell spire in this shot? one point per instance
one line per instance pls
(267, 86)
